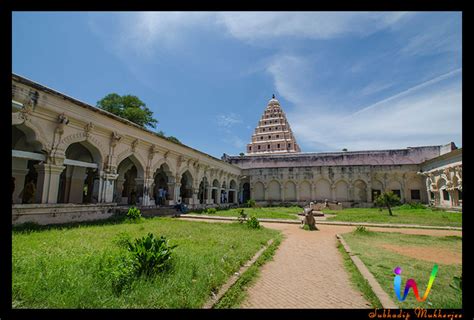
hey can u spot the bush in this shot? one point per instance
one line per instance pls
(242, 216)
(253, 223)
(251, 203)
(150, 254)
(211, 210)
(134, 214)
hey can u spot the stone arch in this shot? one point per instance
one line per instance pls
(290, 191)
(155, 166)
(25, 138)
(258, 191)
(305, 191)
(414, 183)
(36, 132)
(360, 191)
(377, 185)
(394, 184)
(323, 189)
(79, 183)
(129, 153)
(186, 189)
(233, 184)
(274, 191)
(82, 137)
(342, 190)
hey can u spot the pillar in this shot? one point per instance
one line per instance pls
(48, 182)
(209, 196)
(173, 192)
(333, 193)
(107, 186)
(19, 172)
(139, 188)
(77, 184)
(146, 194)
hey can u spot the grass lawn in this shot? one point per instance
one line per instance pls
(416, 254)
(424, 216)
(268, 212)
(66, 267)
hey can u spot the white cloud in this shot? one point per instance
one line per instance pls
(228, 120)
(427, 114)
(314, 25)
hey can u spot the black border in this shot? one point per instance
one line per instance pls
(6, 10)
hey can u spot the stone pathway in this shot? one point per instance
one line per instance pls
(307, 270)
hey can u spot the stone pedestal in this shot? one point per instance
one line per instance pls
(48, 182)
(19, 175)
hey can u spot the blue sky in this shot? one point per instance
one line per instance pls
(355, 80)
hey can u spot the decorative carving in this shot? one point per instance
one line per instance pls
(165, 155)
(115, 138)
(62, 121)
(134, 145)
(88, 128)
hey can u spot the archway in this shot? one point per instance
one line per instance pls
(224, 195)
(246, 192)
(26, 153)
(342, 193)
(274, 192)
(232, 191)
(203, 190)
(360, 191)
(214, 193)
(79, 181)
(129, 183)
(186, 189)
(305, 191)
(160, 187)
(323, 190)
(290, 191)
(258, 191)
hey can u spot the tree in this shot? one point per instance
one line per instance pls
(128, 107)
(174, 139)
(387, 199)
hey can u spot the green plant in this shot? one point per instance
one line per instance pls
(211, 210)
(412, 205)
(151, 254)
(242, 216)
(251, 203)
(253, 223)
(388, 200)
(134, 213)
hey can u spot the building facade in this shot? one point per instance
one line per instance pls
(72, 161)
(65, 151)
(443, 179)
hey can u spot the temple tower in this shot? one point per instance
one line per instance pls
(273, 134)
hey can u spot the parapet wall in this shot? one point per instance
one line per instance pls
(415, 155)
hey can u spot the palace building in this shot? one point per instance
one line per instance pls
(72, 162)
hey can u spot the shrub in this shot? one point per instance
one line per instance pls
(150, 254)
(242, 216)
(211, 210)
(134, 214)
(253, 223)
(388, 200)
(251, 203)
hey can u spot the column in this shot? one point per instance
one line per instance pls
(333, 193)
(107, 187)
(19, 172)
(173, 192)
(369, 193)
(119, 189)
(195, 199)
(48, 182)
(209, 196)
(146, 195)
(139, 188)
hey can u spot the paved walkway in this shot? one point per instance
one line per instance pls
(307, 270)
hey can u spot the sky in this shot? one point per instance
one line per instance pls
(354, 80)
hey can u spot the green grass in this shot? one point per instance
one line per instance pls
(400, 216)
(63, 267)
(238, 292)
(268, 212)
(381, 263)
(358, 280)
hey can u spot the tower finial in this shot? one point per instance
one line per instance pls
(273, 96)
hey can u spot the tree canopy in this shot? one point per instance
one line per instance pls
(387, 199)
(128, 107)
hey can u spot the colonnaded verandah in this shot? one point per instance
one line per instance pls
(82, 162)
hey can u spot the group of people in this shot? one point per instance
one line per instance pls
(161, 196)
